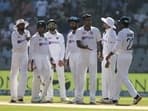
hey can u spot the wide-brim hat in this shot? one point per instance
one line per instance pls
(109, 21)
(21, 21)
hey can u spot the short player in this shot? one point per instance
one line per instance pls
(88, 38)
(39, 56)
(20, 42)
(108, 74)
(72, 52)
(123, 49)
(57, 49)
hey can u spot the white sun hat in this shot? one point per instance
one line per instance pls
(20, 21)
(109, 21)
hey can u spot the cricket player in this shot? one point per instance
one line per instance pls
(39, 56)
(88, 38)
(57, 49)
(72, 52)
(108, 74)
(124, 48)
(20, 42)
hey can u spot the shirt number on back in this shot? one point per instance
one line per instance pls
(129, 43)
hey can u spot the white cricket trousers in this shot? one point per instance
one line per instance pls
(41, 76)
(123, 63)
(19, 64)
(108, 78)
(61, 79)
(87, 60)
(73, 62)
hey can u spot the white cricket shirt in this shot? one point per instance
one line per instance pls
(124, 43)
(89, 38)
(19, 42)
(56, 45)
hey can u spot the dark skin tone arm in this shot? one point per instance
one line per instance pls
(99, 51)
(80, 45)
(107, 59)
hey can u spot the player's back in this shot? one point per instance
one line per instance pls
(127, 37)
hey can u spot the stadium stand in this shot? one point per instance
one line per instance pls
(60, 10)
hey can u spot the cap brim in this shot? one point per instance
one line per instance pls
(105, 21)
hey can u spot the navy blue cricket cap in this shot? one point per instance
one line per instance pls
(51, 20)
(41, 23)
(73, 18)
(86, 15)
(124, 20)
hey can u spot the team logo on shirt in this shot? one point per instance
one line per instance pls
(71, 41)
(91, 32)
(53, 42)
(57, 37)
(87, 37)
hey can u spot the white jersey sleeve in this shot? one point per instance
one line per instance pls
(98, 35)
(118, 42)
(31, 48)
(67, 52)
(124, 41)
(62, 45)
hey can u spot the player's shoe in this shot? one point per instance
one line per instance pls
(36, 100)
(65, 100)
(13, 101)
(137, 99)
(105, 101)
(115, 102)
(20, 100)
(76, 101)
(50, 100)
(92, 101)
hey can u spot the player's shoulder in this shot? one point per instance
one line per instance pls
(80, 28)
(95, 29)
(26, 31)
(34, 36)
(59, 34)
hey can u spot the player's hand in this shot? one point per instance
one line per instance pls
(88, 48)
(100, 56)
(66, 62)
(107, 64)
(53, 65)
(28, 38)
(61, 63)
(31, 65)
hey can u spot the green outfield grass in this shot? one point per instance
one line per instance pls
(21, 108)
(140, 81)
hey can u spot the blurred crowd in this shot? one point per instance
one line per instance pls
(32, 10)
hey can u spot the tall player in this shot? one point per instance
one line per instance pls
(123, 48)
(108, 74)
(87, 39)
(57, 49)
(39, 54)
(20, 41)
(72, 52)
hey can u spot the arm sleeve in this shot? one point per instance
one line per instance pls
(62, 44)
(31, 49)
(78, 35)
(118, 43)
(98, 35)
(67, 52)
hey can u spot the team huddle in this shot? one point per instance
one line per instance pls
(45, 52)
